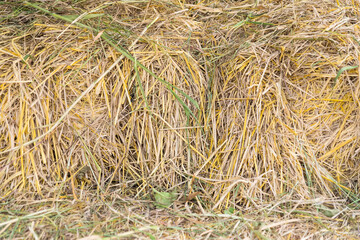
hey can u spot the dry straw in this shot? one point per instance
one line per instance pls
(250, 105)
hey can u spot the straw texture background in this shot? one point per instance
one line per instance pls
(232, 105)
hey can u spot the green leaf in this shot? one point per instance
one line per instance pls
(344, 69)
(164, 199)
(328, 211)
(27, 56)
(88, 16)
(229, 211)
(239, 24)
(261, 23)
(150, 236)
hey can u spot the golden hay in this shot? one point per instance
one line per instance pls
(253, 106)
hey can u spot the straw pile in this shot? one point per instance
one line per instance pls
(237, 106)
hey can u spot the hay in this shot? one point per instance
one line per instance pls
(249, 107)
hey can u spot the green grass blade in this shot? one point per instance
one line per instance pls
(342, 70)
(141, 86)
